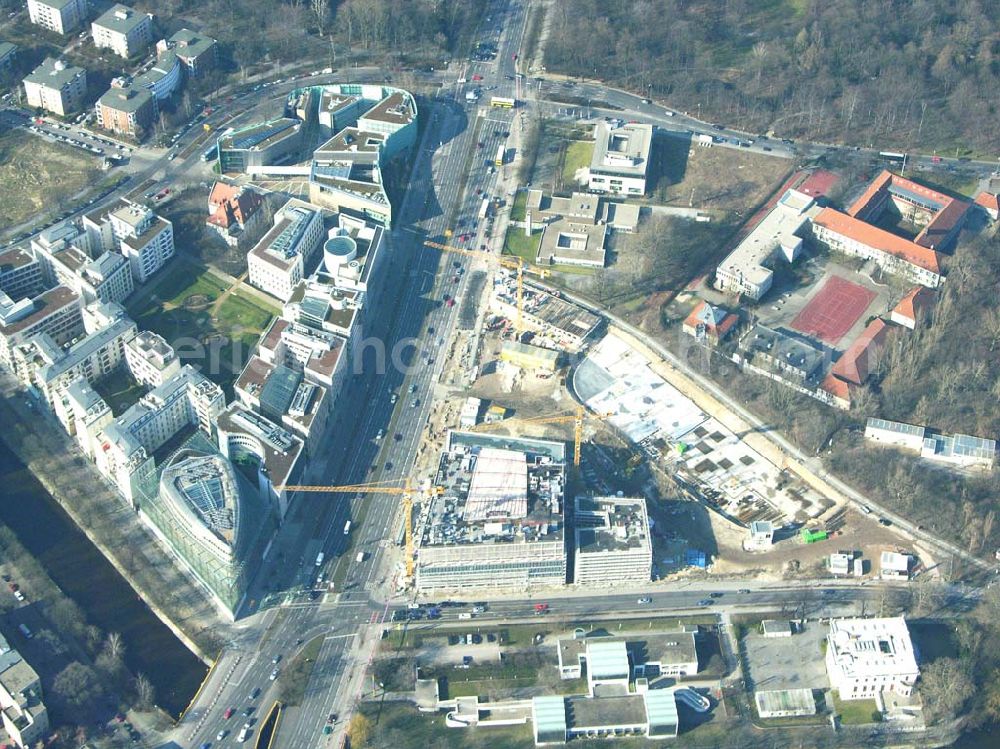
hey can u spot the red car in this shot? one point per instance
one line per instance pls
(228, 714)
(449, 302)
(477, 77)
(541, 608)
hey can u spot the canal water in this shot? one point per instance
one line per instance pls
(83, 573)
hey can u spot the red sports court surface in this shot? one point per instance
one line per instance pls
(834, 309)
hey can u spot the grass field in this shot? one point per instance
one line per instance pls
(400, 726)
(526, 248)
(37, 177)
(519, 208)
(186, 306)
(119, 391)
(855, 712)
(578, 155)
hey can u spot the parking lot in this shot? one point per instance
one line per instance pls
(795, 662)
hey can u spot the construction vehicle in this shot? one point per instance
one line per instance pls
(512, 262)
(406, 490)
(577, 418)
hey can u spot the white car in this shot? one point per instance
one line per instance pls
(274, 675)
(19, 595)
(645, 600)
(380, 435)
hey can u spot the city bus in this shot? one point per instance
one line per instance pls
(484, 209)
(893, 156)
(501, 152)
(502, 101)
(211, 153)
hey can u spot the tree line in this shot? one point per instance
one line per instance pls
(889, 72)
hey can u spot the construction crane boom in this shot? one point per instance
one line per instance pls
(577, 418)
(513, 262)
(406, 490)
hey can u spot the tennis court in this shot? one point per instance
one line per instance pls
(834, 309)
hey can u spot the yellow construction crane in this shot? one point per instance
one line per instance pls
(514, 262)
(406, 490)
(577, 418)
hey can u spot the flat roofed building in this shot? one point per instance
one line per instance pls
(498, 522)
(60, 16)
(144, 238)
(760, 536)
(607, 663)
(259, 145)
(867, 656)
(56, 312)
(127, 445)
(747, 269)
(613, 543)
(650, 656)
(244, 434)
(21, 274)
(526, 356)
(127, 109)
(123, 30)
(22, 711)
(557, 719)
(565, 324)
(895, 433)
(56, 87)
(776, 628)
(894, 566)
(212, 520)
(569, 242)
(150, 359)
(195, 50)
(286, 254)
(338, 111)
(960, 449)
(104, 278)
(620, 163)
(83, 413)
(785, 703)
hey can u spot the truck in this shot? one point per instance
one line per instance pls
(347, 528)
(360, 557)
(319, 559)
(471, 96)
(501, 155)
(244, 734)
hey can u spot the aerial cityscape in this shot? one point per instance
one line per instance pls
(499, 373)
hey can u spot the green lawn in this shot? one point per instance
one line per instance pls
(855, 712)
(526, 248)
(181, 306)
(294, 678)
(119, 391)
(401, 726)
(578, 155)
(518, 210)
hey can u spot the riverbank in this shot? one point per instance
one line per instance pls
(53, 458)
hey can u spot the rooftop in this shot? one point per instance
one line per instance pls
(281, 245)
(778, 228)
(204, 488)
(54, 73)
(497, 490)
(397, 109)
(128, 98)
(915, 303)
(872, 647)
(854, 364)
(37, 309)
(14, 258)
(606, 524)
(190, 44)
(790, 349)
(880, 239)
(622, 150)
(121, 19)
(350, 139)
(280, 447)
(261, 135)
(566, 240)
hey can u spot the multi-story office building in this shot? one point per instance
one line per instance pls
(287, 252)
(127, 108)
(620, 163)
(249, 437)
(60, 16)
(62, 252)
(145, 239)
(151, 360)
(865, 657)
(613, 544)
(498, 523)
(24, 715)
(123, 30)
(56, 87)
(57, 312)
(212, 520)
(125, 456)
(21, 275)
(259, 145)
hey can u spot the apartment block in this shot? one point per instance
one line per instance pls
(56, 312)
(60, 16)
(144, 238)
(127, 109)
(196, 51)
(151, 360)
(64, 260)
(20, 273)
(56, 87)
(24, 715)
(124, 31)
